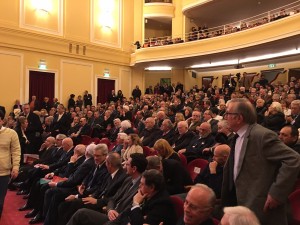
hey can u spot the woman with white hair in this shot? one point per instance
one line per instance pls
(239, 215)
(274, 117)
(126, 127)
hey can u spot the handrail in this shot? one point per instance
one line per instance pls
(162, 1)
(243, 24)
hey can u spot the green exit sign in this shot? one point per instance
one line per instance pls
(272, 65)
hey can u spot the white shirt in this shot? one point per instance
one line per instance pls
(238, 146)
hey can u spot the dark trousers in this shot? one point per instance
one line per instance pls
(88, 217)
(3, 189)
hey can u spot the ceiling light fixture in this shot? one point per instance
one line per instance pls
(157, 68)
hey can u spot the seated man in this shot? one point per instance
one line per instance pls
(289, 135)
(198, 206)
(99, 197)
(239, 215)
(204, 140)
(120, 202)
(167, 131)
(151, 133)
(151, 205)
(184, 136)
(212, 175)
(175, 175)
(85, 129)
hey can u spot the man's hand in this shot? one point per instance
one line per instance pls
(271, 203)
(44, 167)
(74, 158)
(70, 198)
(14, 174)
(81, 189)
(52, 184)
(181, 151)
(49, 175)
(213, 167)
(112, 215)
(89, 200)
(139, 197)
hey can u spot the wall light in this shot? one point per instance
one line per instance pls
(42, 5)
(157, 68)
(106, 18)
(42, 64)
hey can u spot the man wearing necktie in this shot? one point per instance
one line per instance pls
(120, 202)
(264, 169)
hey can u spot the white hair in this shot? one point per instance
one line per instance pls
(90, 149)
(240, 215)
(125, 124)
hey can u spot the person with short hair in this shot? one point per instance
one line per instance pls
(261, 170)
(239, 215)
(289, 135)
(10, 155)
(198, 206)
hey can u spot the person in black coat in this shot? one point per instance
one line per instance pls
(274, 117)
(136, 93)
(151, 133)
(87, 99)
(33, 130)
(152, 204)
(61, 122)
(212, 175)
(20, 128)
(184, 136)
(71, 102)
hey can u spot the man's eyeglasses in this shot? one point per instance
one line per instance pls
(230, 113)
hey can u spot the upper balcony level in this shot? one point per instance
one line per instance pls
(264, 32)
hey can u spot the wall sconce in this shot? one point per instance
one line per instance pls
(106, 18)
(106, 73)
(42, 5)
(42, 64)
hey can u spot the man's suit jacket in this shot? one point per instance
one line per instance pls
(157, 209)
(194, 125)
(182, 141)
(266, 166)
(110, 188)
(150, 136)
(80, 173)
(197, 145)
(169, 137)
(62, 125)
(63, 160)
(122, 200)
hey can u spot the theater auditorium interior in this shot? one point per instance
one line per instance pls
(141, 112)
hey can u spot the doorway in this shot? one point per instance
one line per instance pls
(104, 89)
(41, 84)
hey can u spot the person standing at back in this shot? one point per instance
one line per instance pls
(10, 153)
(261, 170)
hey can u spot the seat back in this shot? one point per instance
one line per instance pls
(178, 206)
(294, 199)
(183, 160)
(95, 140)
(105, 141)
(86, 140)
(148, 151)
(194, 167)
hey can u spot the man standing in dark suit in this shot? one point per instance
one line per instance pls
(120, 202)
(261, 170)
(87, 99)
(136, 93)
(33, 131)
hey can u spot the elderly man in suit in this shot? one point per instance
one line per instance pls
(261, 170)
(120, 202)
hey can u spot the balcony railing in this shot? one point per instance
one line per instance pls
(248, 23)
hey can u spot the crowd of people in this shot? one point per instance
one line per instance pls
(247, 134)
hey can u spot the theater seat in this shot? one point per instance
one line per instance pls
(196, 166)
(178, 205)
(294, 199)
(183, 160)
(86, 140)
(148, 151)
(95, 140)
(105, 141)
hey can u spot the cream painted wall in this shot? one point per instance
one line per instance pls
(9, 12)
(153, 77)
(77, 21)
(76, 77)
(11, 64)
(178, 26)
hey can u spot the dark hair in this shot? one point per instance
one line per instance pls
(294, 130)
(154, 178)
(214, 110)
(139, 161)
(72, 95)
(2, 115)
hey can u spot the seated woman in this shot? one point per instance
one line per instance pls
(134, 145)
(274, 117)
(164, 150)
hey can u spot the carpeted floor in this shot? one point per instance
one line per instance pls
(11, 215)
